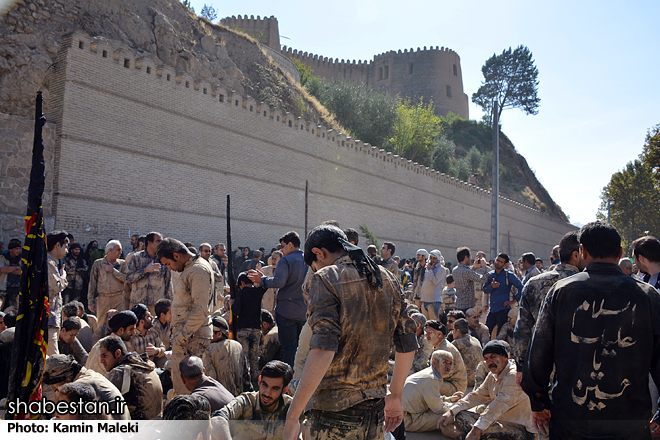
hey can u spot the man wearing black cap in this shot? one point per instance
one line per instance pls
(508, 415)
(76, 270)
(224, 359)
(10, 274)
(122, 325)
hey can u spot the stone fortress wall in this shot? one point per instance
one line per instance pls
(433, 73)
(140, 148)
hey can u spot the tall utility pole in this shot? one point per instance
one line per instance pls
(495, 201)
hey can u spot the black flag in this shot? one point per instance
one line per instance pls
(31, 337)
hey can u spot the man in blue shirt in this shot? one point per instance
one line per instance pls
(498, 286)
(291, 310)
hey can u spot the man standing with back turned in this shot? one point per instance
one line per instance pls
(356, 310)
(600, 329)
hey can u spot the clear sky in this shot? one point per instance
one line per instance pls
(598, 70)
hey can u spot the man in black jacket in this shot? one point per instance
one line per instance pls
(601, 330)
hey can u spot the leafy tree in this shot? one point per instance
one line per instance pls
(368, 115)
(209, 12)
(305, 71)
(462, 170)
(369, 235)
(512, 79)
(651, 153)
(633, 202)
(486, 163)
(474, 159)
(443, 154)
(416, 131)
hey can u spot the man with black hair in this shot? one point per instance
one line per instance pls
(599, 329)
(270, 348)
(121, 325)
(267, 407)
(507, 416)
(535, 291)
(387, 254)
(498, 285)
(291, 310)
(57, 244)
(150, 280)
(76, 271)
(529, 266)
(192, 304)
(539, 264)
(136, 379)
(85, 333)
(436, 334)
(67, 341)
(146, 342)
(646, 253)
(188, 407)
(352, 236)
(162, 321)
(224, 359)
(10, 274)
(346, 370)
(465, 277)
(61, 369)
(194, 378)
(247, 321)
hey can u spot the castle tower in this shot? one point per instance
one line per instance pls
(432, 74)
(265, 30)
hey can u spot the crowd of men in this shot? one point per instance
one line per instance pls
(335, 342)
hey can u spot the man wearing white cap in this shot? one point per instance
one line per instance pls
(418, 275)
(434, 281)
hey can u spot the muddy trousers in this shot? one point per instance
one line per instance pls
(363, 421)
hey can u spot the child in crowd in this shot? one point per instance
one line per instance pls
(246, 309)
(449, 294)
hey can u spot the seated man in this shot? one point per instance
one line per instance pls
(270, 348)
(194, 379)
(469, 347)
(104, 329)
(146, 341)
(224, 360)
(457, 381)
(62, 369)
(136, 379)
(508, 414)
(122, 325)
(422, 403)
(506, 332)
(267, 407)
(472, 316)
(423, 353)
(68, 343)
(192, 408)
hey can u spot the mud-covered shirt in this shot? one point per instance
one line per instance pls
(359, 323)
(140, 385)
(255, 423)
(533, 295)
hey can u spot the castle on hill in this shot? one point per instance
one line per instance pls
(433, 73)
